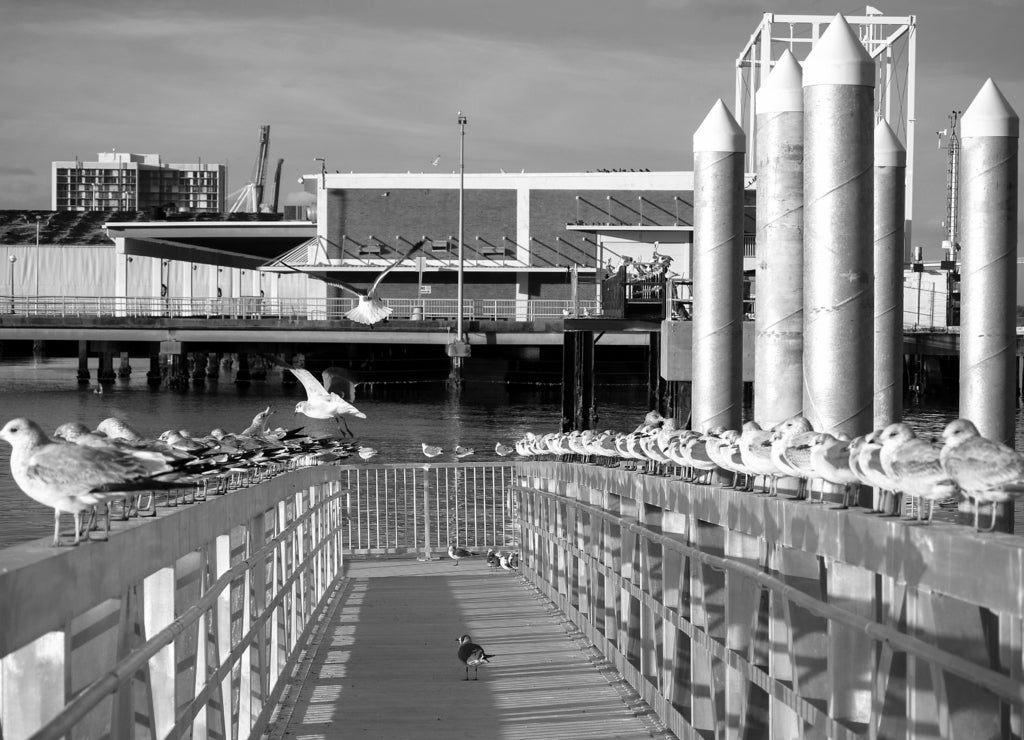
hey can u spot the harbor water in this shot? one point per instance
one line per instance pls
(399, 418)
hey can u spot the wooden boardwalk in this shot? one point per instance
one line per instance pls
(383, 663)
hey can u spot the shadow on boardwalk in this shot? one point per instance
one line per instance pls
(385, 665)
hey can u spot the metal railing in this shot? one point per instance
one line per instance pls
(395, 509)
(257, 308)
(738, 615)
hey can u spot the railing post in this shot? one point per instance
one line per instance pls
(41, 664)
(426, 516)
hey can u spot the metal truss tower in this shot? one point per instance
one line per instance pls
(890, 40)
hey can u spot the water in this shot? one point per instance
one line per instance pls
(398, 420)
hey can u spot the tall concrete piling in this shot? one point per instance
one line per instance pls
(778, 321)
(988, 284)
(718, 148)
(890, 233)
(838, 87)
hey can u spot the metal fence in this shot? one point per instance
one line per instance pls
(315, 309)
(401, 509)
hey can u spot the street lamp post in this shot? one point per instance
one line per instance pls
(12, 260)
(462, 178)
(38, 261)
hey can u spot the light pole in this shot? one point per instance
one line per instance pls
(12, 259)
(38, 261)
(462, 179)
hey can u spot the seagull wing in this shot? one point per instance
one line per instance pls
(314, 390)
(395, 263)
(330, 281)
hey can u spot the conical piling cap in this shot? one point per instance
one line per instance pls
(889, 152)
(782, 91)
(990, 114)
(839, 58)
(719, 132)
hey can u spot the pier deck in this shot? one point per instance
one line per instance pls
(382, 663)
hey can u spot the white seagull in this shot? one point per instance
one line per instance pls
(72, 478)
(431, 450)
(320, 404)
(458, 553)
(985, 470)
(370, 309)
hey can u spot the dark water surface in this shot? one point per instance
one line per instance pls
(398, 420)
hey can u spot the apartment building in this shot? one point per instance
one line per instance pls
(122, 181)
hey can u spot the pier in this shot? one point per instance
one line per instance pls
(320, 601)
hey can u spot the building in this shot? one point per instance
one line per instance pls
(121, 181)
(530, 236)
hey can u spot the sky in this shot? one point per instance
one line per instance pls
(376, 85)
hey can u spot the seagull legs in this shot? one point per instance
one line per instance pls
(344, 425)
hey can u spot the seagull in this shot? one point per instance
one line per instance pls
(320, 404)
(72, 478)
(370, 309)
(830, 460)
(985, 470)
(437, 159)
(502, 450)
(119, 429)
(458, 553)
(461, 451)
(471, 654)
(915, 466)
(431, 450)
(492, 558)
(366, 452)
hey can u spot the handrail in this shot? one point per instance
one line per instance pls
(997, 683)
(94, 693)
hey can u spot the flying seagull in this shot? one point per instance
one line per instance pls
(370, 309)
(320, 404)
(436, 160)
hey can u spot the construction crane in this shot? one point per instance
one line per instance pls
(277, 185)
(249, 198)
(951, 244)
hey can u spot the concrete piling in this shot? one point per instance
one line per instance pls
(889, 236)
(989, 191)
(838, 88)
(718, 147)
(778, 321)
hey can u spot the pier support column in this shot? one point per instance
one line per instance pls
(889, 230)
(988, 342)
(577, 380)
(83, 362)
(243, 378)
(124, 368)
(838, 354)
(779, 319)
(154, 376)
(656, 385)
(105, 368)
(197, 366)
(38, 350)
(718, 147)
(213, 365)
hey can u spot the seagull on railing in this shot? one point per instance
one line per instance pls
(73, 478)
(985, 470)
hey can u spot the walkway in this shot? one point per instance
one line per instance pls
(385, 665)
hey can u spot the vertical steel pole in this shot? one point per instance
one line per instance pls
(462, 177)
(718, 147)
(838, 87)
(988, 166)
(889, 229)
(779, 314)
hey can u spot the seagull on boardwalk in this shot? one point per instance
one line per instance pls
(471, 655)
(458, 553)
(370, 309)
(493, 558)
(461, 451)
(985, 470)
(502, 450)
(365, 453)
(431, 450)
(73, 478)
(320, 404)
